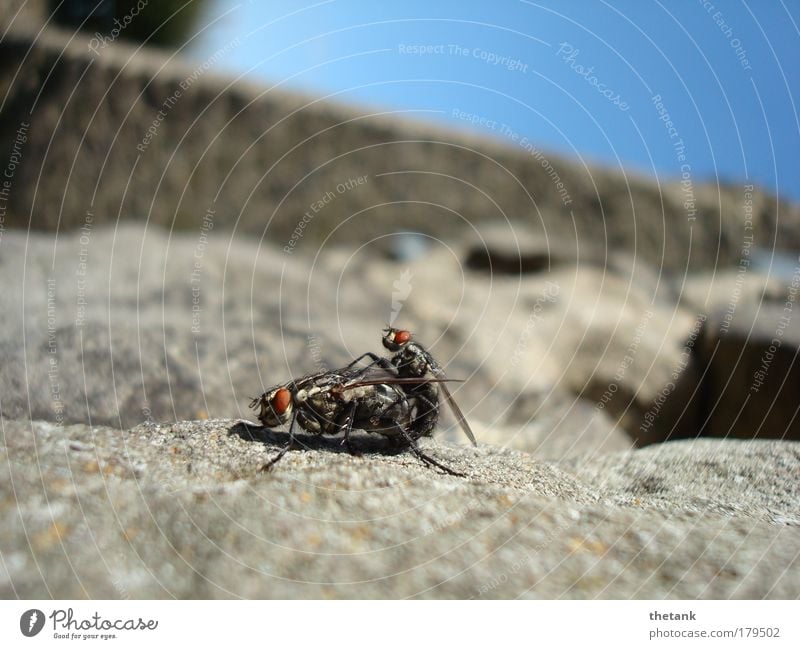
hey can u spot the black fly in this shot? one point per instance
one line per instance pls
(377, 400)
(411, 360)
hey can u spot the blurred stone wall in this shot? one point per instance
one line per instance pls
(118, 132)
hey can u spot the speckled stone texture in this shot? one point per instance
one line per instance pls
(182, 511)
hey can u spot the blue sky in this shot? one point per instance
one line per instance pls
(578, 78)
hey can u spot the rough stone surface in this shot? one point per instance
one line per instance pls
(181, 510)
(98, 334)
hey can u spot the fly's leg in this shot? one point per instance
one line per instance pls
(427, 459)
(383, 363)
(348, 428)
(373, 357)
(268, 466)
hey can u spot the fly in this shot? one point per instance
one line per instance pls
(373, 399)
(411, 360)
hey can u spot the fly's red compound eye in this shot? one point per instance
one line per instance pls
(402, 336)
(281, 400)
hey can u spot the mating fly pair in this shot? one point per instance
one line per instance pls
(396, 397)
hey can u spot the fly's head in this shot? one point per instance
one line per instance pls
(396, 339)
(410, 358)
(276, 407)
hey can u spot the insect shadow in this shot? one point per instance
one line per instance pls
(361, 443)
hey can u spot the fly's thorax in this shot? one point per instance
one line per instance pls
(315, 394)
(321, 402)
(357, 394)
(412, 361)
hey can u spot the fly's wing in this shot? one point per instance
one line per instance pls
(395, 380)
(376, 376)
(436, 369)
(312, 379)
(370, 375)
(457, 412)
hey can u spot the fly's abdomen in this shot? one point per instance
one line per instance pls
(426, 415)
